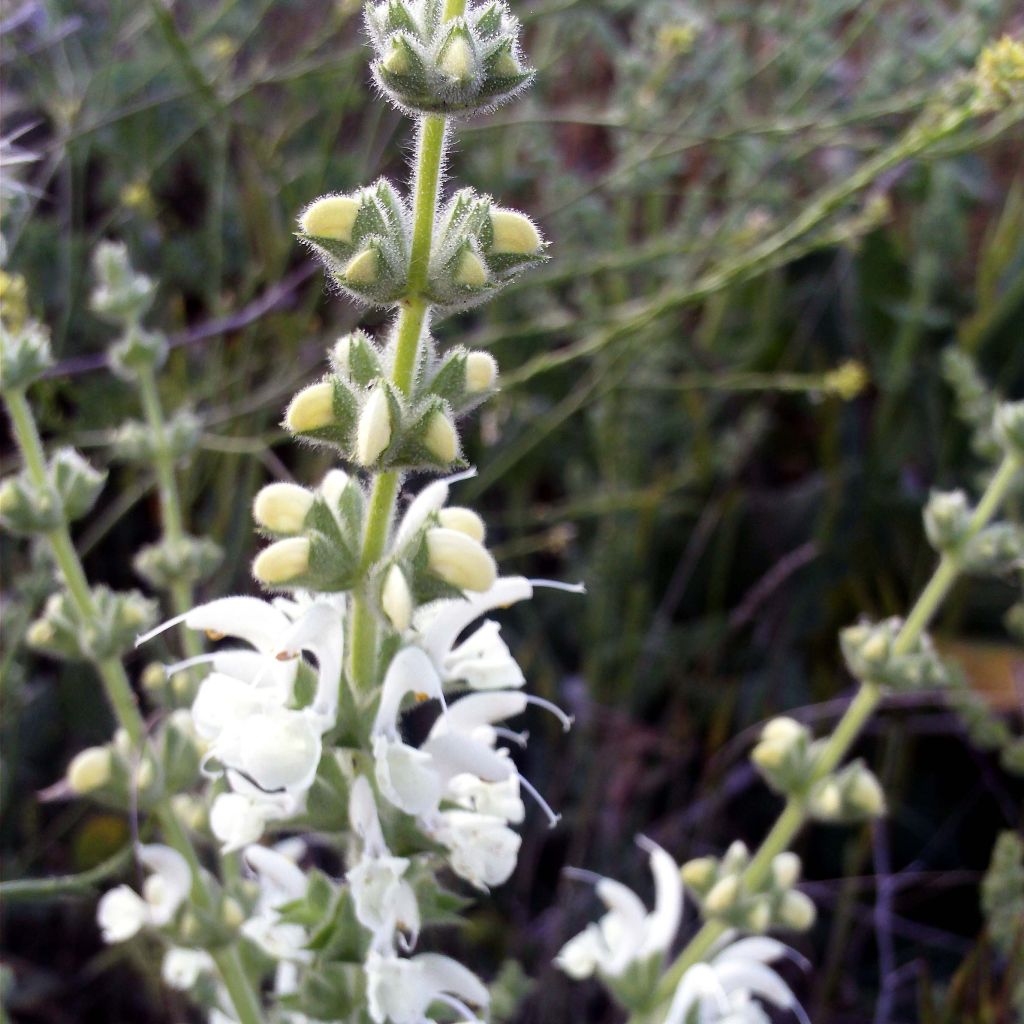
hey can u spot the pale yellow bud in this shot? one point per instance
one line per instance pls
(189, 811)
(769, 753)
(145, 774)
(828, 800)
(785, 869)
(340, 353)
(797, 911)
(311, 408)
(505, 66)
(333, 486)
(153, 677)
(759, 916)
(330, 217)
(460, 560)
(481, 371)
(471, 270)
(373, 433)
(783, 730)
(89, 770)
(39, 634)
(363, 268)
(457, 60)
(698, 873)
(441, 438)
(122, 743)
(866, 794)
(283, 561)
(736, 857)
(282, 507)
(465, 520)
(513, 233)
(722, 895)
(397, 61)
(396, 599)
(181, 685)
(232, 914)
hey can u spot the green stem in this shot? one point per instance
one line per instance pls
(122, 699)
(412, 317)
(61, 886)
(794, 813)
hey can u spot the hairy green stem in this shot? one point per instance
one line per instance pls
(122, 699)
(412, 317)
(794, 813)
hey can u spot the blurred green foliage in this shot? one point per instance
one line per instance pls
(723, 403)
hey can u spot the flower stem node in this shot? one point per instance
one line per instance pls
(428, 65)
(120, 294)
(784, 755)
(871, 656)
(1008, 427)
(24, 353)
(363, 239)
(174, 560)
(136, 442)
(137, 351)
(851, 795)
(71, 491)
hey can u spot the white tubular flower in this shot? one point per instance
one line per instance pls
(122, 913)
(481, 849)
(280, 750)
(406, 776)
(724, 990)
(496, 799)
(182, 967)
(482, 661)
(628, 934)
(384, 901)
(410, 671)
(281, 881)
(400, 991)
(240, 818)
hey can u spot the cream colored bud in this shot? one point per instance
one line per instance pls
(373, 433)
(877, 647)
(769, 754)
(282, 507)
(364, 268)
(759, 916)
(441, 438)
(232, 914)
(513, 233)
(397, 61)
(471, 271)
(505, 66)
(181, 685)
(89, 770)
(341, 352)
(481, 371)
(782, 730)
(153, 677)
(786, 870)
(311, 408)
(866, 794)
(333, 486)
(699, 873)
(465, 520)
(282, 562)
(330, 217)
(123, 743)
(189, 811)
(828, 800)
(736, 857)
(396, 599)
(457, 60)
(797, 911)
(460, 560)
(722, 895)
(39, 634)
(145, 774)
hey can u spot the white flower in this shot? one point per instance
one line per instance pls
(481, 849)
(723, 991)
(240, 817)
(182, 967)
(281, 881)
(497, 799)
(400, 991)
(122, 913)
(628, 934)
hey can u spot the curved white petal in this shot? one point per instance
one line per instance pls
(755, 977)
(406, 776)
(224, 700)
(363, 817)
(121, 913)
(483, 661)
(320, 631)
(754, 947)
(443, 974)
(280, 750)
(478, 709)
(410, 671)
(428, 501)
(663, 923)
(281, 879)
(247, 618)
(699, 986)
(169, 885)
(454, 754)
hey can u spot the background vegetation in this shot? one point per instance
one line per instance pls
(724, 404)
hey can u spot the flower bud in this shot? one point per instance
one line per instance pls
(373, 433)
(481, 371)
(283, 561)
(89, 770)
(471, 270)
(864, 793)
(758, 917)
(330, 217)
(311, 408)
(797, 911)
(333, 486)
(513, 233)
(145, 774)
(457, 61)
(441, 438)
(363, 268)
(282, 507)
(699, 873)
(783, 730)
(947, 519)
(723, 895)
(460, 560)
(827, 801)
(736, 857)
(465, 520)
(24, 352)
(396, 599)
(232, 915)
(1008, 423)
(786, 870)
(153, 677)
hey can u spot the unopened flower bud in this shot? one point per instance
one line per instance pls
(153, 677)
(513, 233)
(786, 869)
(465, 520)
(457, 60)
(282, 561)
(145, 774)
(89, 770)
(363, 268)
(722, 895)
(40, 633)
(189, 811)
(311, 408)
(736, 857)
(282, 507)
(396, 599)
(797, 911)
(759, 916)
(699, 873)
(783, 730)
(441, 438)
(330, 217)
(460, 560)
(865, 793)
(471, 271)
(373, 433)
(481, 371)
(827, 801)
(333, 485)
(231, 914)
(1009, 416)
(397, 61)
